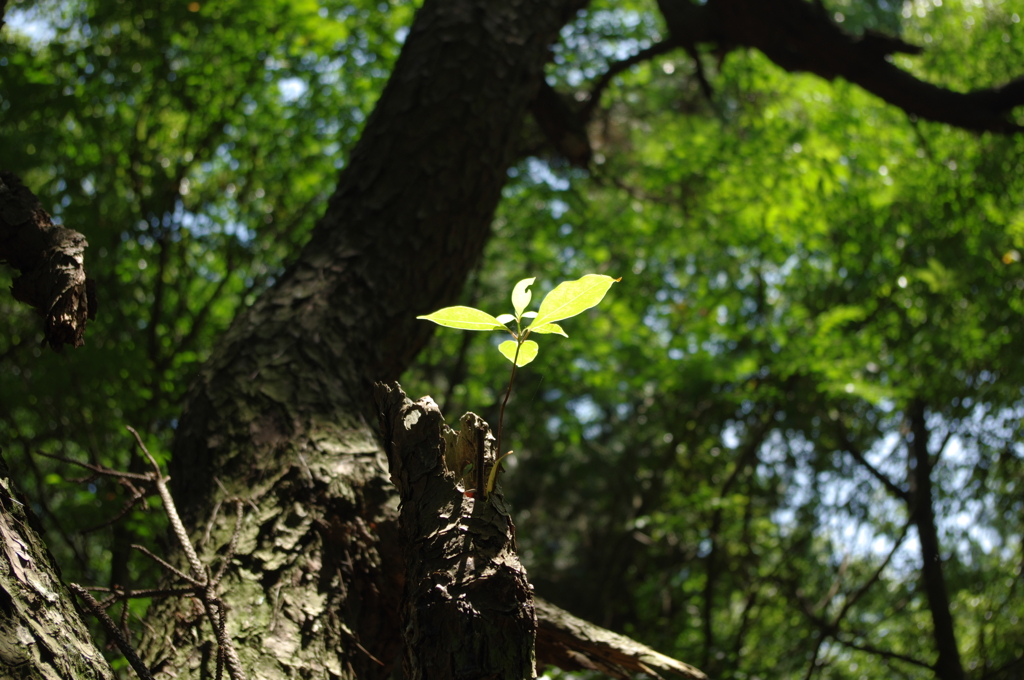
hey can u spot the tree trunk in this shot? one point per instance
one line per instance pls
(276, 417)
(42, 635)
(948, 666)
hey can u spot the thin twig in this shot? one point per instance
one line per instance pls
(856, 595)
(203, 587)
(884, 653)
(124, 617)
(48, 513)
(99, 469)
(705, 86)
(119, 594)
(138, 496)
(232, 545)
(858, 455)
(172, 512)
(167, 565)
(112, 629)
(620, 66)
(209, 525)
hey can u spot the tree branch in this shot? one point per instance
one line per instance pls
(948, 666)
(884, 653)
(113, 631)
(858, 456)
(618, 67)
(572, 644)
(798, 37)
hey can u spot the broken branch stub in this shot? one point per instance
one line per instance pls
(51, 261)
(468, 607)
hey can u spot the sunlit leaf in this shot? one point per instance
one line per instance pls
(521, 295)
(527, 352)
(549, 328)
(572, 297)
(466, 318)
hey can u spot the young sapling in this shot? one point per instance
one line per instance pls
(566, 300)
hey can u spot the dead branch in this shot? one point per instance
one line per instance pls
(571, 643)
(51, 261)
(202, 585)
(108, 623)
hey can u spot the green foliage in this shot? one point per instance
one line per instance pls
(194, 149)
(805, 264)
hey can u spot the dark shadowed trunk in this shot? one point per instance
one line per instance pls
(948, 666)
(277, 416)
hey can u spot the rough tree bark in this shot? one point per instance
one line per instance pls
(277, 416)
(468, 607)
(42, 635)
(469, 610)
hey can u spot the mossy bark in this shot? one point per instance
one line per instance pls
(42, 635)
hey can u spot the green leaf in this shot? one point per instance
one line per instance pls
(506, 318)
(572, 297)
(527, 353)
(549, 328)
(521, 295)
(467, 318)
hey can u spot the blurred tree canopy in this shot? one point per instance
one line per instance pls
(788, 445)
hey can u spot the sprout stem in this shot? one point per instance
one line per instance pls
(501, 414)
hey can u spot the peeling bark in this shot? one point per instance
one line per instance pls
(51, 262)
(42, 636)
